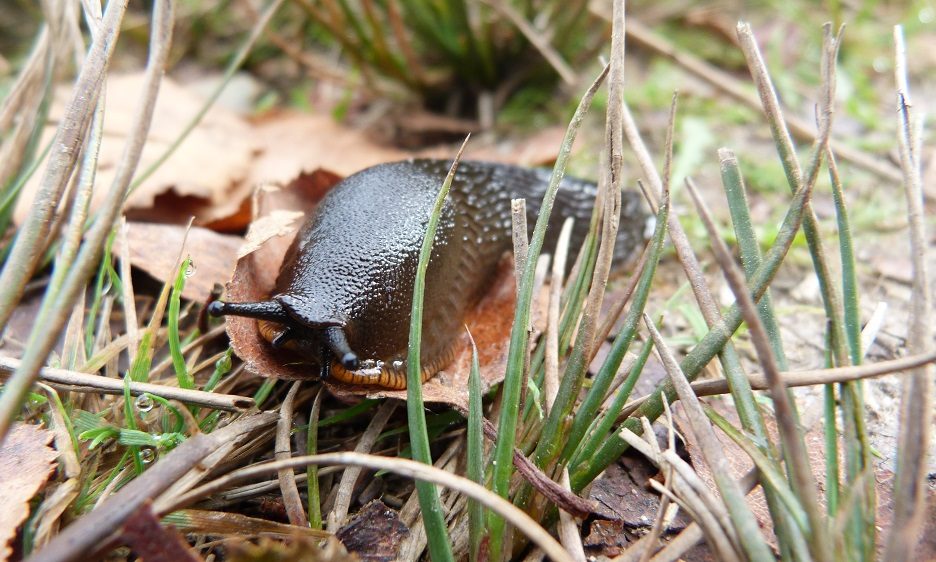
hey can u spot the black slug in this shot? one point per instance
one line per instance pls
(344, 292)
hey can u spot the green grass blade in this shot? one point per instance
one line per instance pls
(440, 548)
(747, 244)
(100, 289)
(222, 367)
(606, 421)
(130, 422)
(175, 348)
(861, 530)
(475, 470)
(312, 483)
(831, 449)
(349, 413)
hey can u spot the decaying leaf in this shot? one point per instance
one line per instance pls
(295, 142)
(155, 247)
(212, 161)
(254, 278)
(374, 533)
(26, 462)
(152, 541)
(277, 223)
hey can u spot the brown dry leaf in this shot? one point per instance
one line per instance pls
(374, 533)
(293, 142)
(153, 542)
(254, 278)
(539, 149)
(154, 248)
(26, 462)
(277, 223)
(214, 158)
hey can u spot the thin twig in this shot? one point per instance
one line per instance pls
(916, 404)
(287, 478)
(82, 382)
(551, 373)
(339, 513)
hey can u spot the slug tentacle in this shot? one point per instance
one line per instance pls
(262, 310)
(336, 341)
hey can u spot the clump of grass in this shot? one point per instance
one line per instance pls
(461, 58)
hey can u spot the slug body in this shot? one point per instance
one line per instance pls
(344, 294)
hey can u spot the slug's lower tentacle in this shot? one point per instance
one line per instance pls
(337, 342)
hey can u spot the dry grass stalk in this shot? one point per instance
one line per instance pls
(82, 382)
(916, 407)
(287, 478)
(569, 532)
(339, 513)
(742, 518)
(551, 373)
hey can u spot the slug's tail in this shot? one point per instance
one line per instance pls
(576, 199)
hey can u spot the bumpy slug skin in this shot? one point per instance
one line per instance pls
(254, 278)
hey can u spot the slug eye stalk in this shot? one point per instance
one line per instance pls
(262, 310)
(333, 336)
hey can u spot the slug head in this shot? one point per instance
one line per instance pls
(284, 329)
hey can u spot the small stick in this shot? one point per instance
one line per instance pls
(339, 512)
(806, 378)
(82, 382)
(551, 375)
(287, 478)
